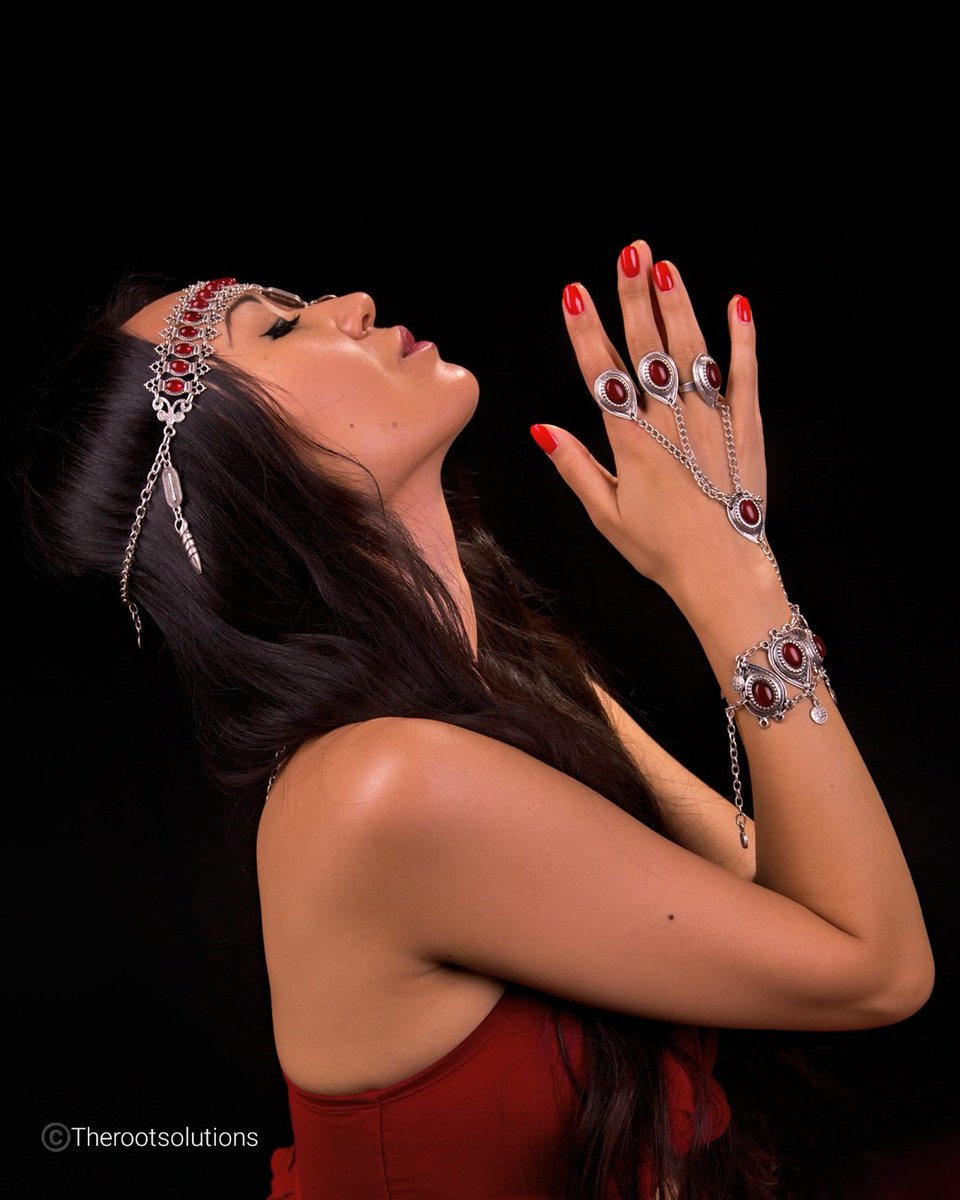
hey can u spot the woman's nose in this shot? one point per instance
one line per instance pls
(355, 313)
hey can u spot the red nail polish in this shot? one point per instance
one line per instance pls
(662, 277)
(630, 262)
(743, 310)
(572, 300)
(544, 438)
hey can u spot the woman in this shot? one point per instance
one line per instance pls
(496, 913)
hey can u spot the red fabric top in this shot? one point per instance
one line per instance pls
(485, 1122)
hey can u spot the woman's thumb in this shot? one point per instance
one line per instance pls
(593, 483)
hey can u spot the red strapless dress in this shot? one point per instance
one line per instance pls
(485, 1122)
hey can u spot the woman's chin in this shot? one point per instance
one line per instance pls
(470, 395)
(461, 376)
(460, 391)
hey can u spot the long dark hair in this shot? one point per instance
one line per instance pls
(315, 609)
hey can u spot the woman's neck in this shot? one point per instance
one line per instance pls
(422, 507)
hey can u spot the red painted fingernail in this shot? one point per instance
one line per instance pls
(544, 438)
(630, 261)
(743, 310)
(662, 277)
(572, 300)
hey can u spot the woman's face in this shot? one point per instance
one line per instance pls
(366, 391)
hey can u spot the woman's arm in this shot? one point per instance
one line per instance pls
(823, 835)
(437, 846)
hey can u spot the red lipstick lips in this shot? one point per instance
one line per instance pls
(408, 343)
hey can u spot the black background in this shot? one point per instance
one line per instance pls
(139, 995)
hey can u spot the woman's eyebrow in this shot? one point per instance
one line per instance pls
(236, 304)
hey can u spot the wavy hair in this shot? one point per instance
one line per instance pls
(316, 609)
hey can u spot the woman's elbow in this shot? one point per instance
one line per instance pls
(904, 992)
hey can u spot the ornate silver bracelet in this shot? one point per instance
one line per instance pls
(794, 658)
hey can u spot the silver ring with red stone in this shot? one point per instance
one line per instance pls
(745, 511)
(706, 381)
(614, 392)
(659, 376)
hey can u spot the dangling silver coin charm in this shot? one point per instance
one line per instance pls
(745, 511)
(818, 714)
(615, 393)
(659, 376)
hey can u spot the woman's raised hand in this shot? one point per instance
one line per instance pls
(653, 510)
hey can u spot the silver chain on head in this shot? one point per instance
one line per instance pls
(176, 379)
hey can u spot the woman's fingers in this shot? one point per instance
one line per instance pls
(742, 386)
(657, 316)
(639, 313)
(589, 480)
(596, 354)
(657, 313)
(684, 341)
(742, 390)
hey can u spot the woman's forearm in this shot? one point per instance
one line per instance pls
(823, 836)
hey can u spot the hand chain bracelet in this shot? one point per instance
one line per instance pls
(795, 657)
(659, 377)
(794, 653)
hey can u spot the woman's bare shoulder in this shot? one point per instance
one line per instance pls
(366, 754)
(344, 780)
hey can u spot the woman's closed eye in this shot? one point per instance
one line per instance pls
(280, 327)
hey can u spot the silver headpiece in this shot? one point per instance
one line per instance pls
(176, 380)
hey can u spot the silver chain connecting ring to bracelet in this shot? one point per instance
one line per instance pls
(659, 377)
